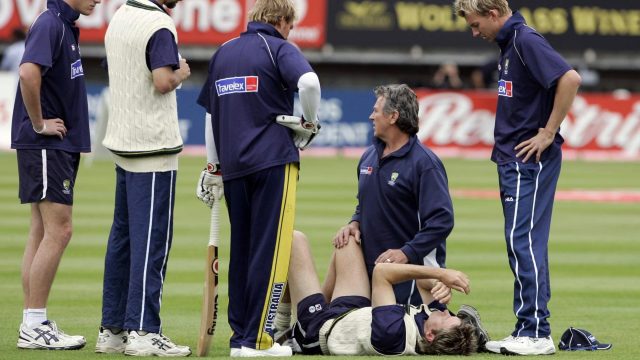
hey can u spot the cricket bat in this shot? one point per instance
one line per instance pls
(209, 315)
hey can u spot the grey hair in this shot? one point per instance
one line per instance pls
(480, 7)
(400, 98)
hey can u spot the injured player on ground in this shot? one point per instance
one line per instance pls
(349, 316)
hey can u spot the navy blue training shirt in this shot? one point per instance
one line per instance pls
(529, 69)
(252, 79)
(52, 43)
(403, 202)
(162, 49)
(388, 331)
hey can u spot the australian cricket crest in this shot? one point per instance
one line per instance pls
(66, 186)
(394, 177)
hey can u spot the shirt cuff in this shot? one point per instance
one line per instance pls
(410, 253)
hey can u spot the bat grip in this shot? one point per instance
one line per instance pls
(214, 230)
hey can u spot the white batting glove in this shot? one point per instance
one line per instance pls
(210, 187)
(303, 131)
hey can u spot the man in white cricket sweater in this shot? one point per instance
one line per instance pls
(144, 137)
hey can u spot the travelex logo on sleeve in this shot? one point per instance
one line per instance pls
(76, 69)
(505, 88)
(241, 84)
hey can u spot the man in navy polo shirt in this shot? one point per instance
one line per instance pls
(535, 92)
(404, 212)
(252, 79)
(49, 130)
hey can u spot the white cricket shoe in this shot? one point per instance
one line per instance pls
(525, 345)
(110, 342)
(495, 345)
(47, 336)
(275, 350)
(152, 344)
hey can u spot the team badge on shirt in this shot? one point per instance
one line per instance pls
(366, 170)
(505, 88)
(394, 177)
(234, 85)
(66, 186)
(76, 69)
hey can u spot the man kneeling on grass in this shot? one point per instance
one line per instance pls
(347, 316)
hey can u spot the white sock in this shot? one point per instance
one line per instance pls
(283, 316)
(35, 317)
(24, 316)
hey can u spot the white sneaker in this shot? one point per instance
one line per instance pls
(525, 345)
(152, 344)
(275, 350)
(79, 338)
(48, 336)
(495, 345)
(110, 342)
(285, 337)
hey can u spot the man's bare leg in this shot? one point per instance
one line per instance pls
(56, 220)
(303, 278)
(330, 279)
(351, 272)
(36, 233)
(48, 237)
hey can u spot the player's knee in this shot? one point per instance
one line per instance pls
(299, 237)
(61, 234)
(352, 245)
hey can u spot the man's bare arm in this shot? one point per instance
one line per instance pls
(30, 87)
(387, 274)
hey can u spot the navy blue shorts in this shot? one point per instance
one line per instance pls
(313, 312)
(47, 175)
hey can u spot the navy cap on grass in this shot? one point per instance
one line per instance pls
(578, 339)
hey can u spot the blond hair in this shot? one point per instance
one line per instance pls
(271, 11)
(481, 7)
(458, 340)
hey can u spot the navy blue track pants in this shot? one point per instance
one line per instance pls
(138, 250)
(527, 191)
(261, 210)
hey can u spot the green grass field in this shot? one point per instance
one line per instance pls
(594, 253)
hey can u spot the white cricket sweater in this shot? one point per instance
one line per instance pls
(142, 130)
(351, 335)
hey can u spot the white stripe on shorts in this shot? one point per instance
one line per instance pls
(45, 182)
